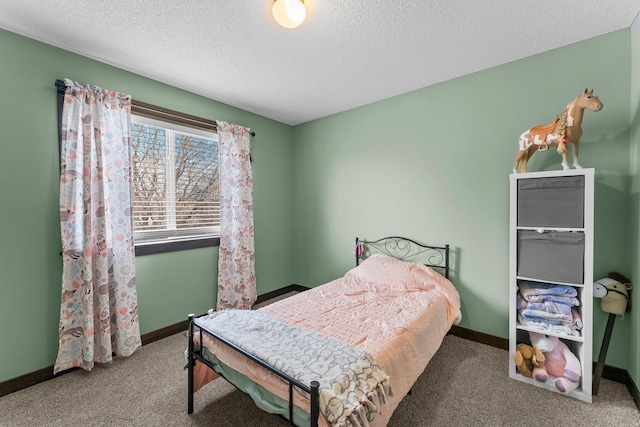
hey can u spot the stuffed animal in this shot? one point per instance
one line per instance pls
(560, 362)
(614, 292)
(528, 358)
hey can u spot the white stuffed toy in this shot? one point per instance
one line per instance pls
(560, 362)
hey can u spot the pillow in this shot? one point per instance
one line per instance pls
(392, 277)
(384, 269)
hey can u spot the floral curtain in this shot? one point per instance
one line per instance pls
(236, 262)
(99, 310)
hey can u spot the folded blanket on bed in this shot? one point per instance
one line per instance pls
(353, 387)
(530, 289)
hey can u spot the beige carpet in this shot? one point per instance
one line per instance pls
(466, 384)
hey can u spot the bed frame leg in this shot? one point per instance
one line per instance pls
(315, 403)
(190, 363)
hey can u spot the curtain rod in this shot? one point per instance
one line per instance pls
(153, 111)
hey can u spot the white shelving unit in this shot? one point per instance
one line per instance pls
(549, 217)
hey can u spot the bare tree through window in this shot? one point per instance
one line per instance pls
(176, 181)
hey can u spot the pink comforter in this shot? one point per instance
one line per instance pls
(398, 312)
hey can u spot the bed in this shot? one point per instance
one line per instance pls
(390, 314)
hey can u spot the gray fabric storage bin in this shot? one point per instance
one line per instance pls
(551, 202)
(556, 256)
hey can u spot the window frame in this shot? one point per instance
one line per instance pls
(154, 115)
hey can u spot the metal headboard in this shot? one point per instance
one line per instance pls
(406, 250)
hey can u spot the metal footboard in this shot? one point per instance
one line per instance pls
(197, 354)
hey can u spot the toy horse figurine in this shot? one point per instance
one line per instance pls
(563, 130)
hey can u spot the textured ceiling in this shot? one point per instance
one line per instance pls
(346, 54)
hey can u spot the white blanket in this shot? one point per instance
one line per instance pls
(353, 387)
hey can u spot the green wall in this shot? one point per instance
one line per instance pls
(169, 285)
(634, 342)
(434, 165)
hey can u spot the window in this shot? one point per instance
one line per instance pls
(175, 182)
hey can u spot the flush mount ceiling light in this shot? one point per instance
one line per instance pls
(289, 13)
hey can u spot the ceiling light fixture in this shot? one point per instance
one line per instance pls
(289, 13)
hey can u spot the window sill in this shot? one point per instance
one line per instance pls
(176, 245)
